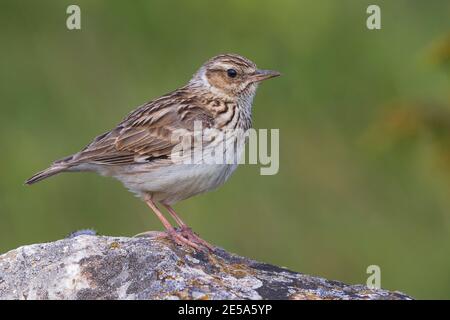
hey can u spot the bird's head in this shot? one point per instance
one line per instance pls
(231, 75)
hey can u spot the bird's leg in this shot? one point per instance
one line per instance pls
(178, 238)
(186, 231)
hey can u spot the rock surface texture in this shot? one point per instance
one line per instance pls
(100, 267)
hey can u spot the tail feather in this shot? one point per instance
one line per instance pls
(55, 169)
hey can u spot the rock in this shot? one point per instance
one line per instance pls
(152, 267)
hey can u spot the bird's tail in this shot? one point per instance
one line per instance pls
(51, 171)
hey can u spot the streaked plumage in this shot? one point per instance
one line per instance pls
(138, 150)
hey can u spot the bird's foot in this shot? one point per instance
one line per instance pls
(181, 240)
(172, 234)
(181, 236)
(187, 233)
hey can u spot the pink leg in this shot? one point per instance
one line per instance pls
(186, 231)
(179, 239)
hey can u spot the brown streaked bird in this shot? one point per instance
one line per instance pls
(138, 151)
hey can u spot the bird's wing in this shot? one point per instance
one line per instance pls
(145, 134)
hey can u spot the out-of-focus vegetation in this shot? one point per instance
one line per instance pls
(364, 119)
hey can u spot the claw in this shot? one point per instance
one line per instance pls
(179, 239)
(193, 237)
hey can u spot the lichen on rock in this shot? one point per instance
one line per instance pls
(100, 267)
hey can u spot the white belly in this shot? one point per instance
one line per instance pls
(178, 182)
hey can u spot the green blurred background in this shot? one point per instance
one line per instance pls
(364, 119)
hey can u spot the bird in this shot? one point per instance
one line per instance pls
(139, 150)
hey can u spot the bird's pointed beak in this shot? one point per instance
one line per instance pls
(261, 75)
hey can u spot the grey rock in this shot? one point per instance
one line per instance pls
(152, 267)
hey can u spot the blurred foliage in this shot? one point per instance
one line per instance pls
(339, 203)
(440, 52)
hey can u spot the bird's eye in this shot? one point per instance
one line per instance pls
(231, 73)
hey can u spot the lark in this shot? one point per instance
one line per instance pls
(139, 150)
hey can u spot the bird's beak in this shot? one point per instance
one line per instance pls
(261, 75)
